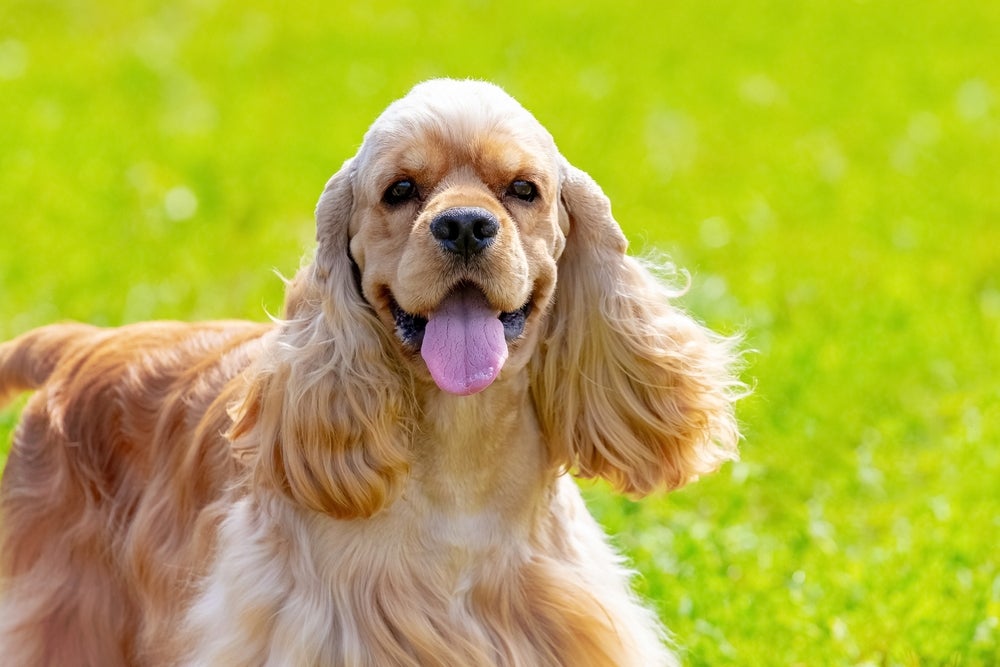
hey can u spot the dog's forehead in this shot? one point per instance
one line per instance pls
(467, 104)
(455, 114)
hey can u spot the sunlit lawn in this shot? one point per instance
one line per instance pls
(827, 172)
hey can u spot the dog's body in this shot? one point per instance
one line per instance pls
(378, 479)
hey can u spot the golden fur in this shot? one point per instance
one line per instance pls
(304, 494)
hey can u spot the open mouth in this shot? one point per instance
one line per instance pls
(464, 341)
(410, 328)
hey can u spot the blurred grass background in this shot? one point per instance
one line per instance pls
(827, 171)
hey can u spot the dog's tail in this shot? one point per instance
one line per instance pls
(27, 361)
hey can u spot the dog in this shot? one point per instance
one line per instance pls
(384, 475)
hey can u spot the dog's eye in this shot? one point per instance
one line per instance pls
(524, 190)
(399, 192)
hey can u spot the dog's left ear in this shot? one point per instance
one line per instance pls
(326, 413)
(627, 387)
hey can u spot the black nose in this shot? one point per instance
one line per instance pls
(465, 231)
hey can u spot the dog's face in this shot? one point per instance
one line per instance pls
(438, 249)
(455, 229)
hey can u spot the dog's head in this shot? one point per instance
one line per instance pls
(454, 229)
(458, 248)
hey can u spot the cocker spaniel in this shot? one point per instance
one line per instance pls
(382, 477)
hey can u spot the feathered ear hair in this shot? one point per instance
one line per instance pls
(326, 415)
(626, 386)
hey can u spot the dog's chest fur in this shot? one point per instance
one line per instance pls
(300, 589)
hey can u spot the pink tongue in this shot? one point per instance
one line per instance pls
(464, 345)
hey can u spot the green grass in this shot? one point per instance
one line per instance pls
(826, 170)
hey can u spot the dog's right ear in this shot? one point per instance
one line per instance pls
(326, 415)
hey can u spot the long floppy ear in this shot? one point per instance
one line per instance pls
(626, 386)
(327, 412)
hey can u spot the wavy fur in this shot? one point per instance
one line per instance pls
(329, 408)
(303, 493)
(628, 387)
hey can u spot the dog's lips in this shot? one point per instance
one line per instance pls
(409, 327)
(514, 321)
(463, 340)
